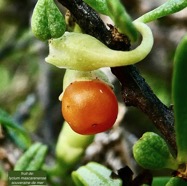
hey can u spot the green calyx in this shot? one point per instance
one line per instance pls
(85, 53)
(74, 75)
(152, 152)
(47, 21)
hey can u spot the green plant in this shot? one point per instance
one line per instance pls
(82, 44)
(82, 52)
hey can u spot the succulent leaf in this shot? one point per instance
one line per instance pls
(85, 53)
(152, 152)
(94, 174)
(175, 181)
(179, 91)
(47, 21)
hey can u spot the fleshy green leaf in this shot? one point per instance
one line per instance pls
(4, 78)
(47, 21)
(152, 152)
(71, 146)
(160, 181)
(38, 159)
(176, 182)
(94, 174)
(121, 18)
(16, 132)
(169, 7)
(98, 5)
(33, 158)
(179, 91)
(85, 53)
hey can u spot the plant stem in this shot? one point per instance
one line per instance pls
(135, 91)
